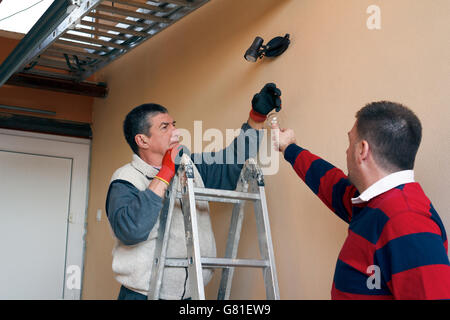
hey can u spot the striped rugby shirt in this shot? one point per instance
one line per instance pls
(396, 247)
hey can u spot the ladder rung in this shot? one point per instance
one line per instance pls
(140, 5)
(212, 199)
(220, 195)
(90, 40)
(181, 3)
(113, 28)
(81, 45)
(61, 50)
(130, 13)
(219, 263)
(99, 16)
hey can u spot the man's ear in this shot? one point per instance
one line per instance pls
(141, 141)
(364, 149)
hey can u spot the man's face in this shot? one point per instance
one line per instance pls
(163, 133)
(351, 154)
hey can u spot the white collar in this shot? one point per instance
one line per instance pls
(385, 184)
(143, 167)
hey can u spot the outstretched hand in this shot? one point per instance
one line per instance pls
(265, 101)
(282, 138)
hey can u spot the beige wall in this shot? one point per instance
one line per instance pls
(334, 66)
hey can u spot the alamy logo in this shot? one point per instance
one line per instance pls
(73, 280)
(211, 147)
(374, 281)
(374, 20)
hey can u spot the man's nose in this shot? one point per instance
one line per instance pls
(176, 131)
(175, 134)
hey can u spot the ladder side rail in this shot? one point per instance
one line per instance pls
(234, 234)
(265, 244)
(165, 220)
(192, 237)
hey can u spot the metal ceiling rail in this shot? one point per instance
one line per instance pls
(75, 38)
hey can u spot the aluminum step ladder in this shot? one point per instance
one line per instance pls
(250, 187)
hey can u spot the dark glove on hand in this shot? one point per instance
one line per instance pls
(265, 101)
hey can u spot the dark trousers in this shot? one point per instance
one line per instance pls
(127, 294)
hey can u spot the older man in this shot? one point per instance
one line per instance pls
(136, 190)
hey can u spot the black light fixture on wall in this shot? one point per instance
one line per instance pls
(274, 48)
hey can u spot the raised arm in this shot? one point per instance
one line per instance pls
(224, 169)
(329, 183)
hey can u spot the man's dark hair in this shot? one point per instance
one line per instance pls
(393, 131)
(138, 121)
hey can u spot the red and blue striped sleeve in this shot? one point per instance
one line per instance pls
(412, 255)
(329, 183)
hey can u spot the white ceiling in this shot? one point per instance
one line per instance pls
(20, 15)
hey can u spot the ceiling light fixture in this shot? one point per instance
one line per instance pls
(274, 48)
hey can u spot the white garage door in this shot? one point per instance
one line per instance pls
(34, 208)
(43, 203)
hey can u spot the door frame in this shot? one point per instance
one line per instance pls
(77, 149)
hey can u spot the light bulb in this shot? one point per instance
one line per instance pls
(272, 121)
